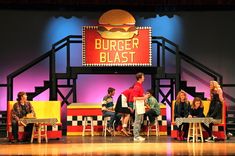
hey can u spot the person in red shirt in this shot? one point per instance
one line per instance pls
(124, 106)
(138, 94)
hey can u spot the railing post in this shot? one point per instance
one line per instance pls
(178, 70)
(68, 55)
(9, 89)
(74, 90)
(163, 55)
(68, 58)
(53, 95)
(158, 56)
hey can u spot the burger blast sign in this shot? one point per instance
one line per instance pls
(116, 41)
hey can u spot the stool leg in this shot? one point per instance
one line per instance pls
(148, 126)
(39, 132)
(189, 131)
(113, 128)
(32, 135)
(157, 127)
(92, 127)
(193, 132)
(105, 127)
(197, 128)
(45, 133)
(84, 126)
(200, 128)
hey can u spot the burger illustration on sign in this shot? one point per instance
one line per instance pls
(117, 24)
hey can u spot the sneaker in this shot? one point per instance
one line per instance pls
(210, 139)
(214, 137)
(199, 140)
(139, 138)
(229, 135)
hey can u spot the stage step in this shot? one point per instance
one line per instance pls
(3, 124)
(38, 90)
(191, 90)
(231, 119)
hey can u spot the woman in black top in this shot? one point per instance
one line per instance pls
(215, 109)
(196, 111)
(181, 110)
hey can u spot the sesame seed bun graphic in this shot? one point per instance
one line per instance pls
(117, 24)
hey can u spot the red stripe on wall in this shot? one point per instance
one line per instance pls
(82, 112)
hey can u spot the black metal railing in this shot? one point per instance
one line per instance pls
(65, 42)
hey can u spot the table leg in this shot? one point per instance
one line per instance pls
(33, 131)
(196, 131)
(45, 131)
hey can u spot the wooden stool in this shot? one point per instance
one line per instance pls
(86, 124)
(105, 124)
(37, 132)
(195, 131)
(150, 127)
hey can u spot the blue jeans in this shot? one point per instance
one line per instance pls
(113, 116)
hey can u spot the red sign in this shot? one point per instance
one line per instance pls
(99, 51)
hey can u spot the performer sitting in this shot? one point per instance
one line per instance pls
(123, 106)
(108, 109)
(181, 110)
(215, 109)
(196, 110)
(21, 109)
(152, 105)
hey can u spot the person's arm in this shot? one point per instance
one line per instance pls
(190, 113)
(176, 113)
(137, 95)
(187, 109)
(104, 102)
(32, 110)
(156, 106)
(201, 112)
(14, 113)
(220, 92)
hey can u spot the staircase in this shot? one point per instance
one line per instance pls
(3, 124)
(231, 119)
(39, 90)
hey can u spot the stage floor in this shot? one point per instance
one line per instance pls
(118, 145)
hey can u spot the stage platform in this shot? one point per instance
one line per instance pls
(118, 145)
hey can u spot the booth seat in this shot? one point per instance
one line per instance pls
(219, 130)
(43, 109)
(76, 112)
